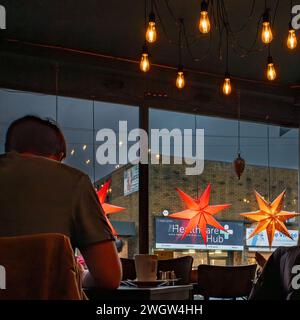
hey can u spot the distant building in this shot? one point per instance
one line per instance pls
(226, 188)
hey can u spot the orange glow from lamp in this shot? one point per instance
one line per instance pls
(204, 23)
(145, 63)
(227, 84)
(151, 33)
(271, 72)
(266, 35)
(180, 81)
(291, 39)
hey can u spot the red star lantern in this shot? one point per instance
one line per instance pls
(108, 208)
(199, 212)
(270, 217)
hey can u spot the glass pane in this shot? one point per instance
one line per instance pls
(17, 104)
(271, 157)
(165, 178)
(80, 121)
(124, 187)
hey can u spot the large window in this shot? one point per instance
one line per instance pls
(270, 153)
(271, 156)
(80, 121)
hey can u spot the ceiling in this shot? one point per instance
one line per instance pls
(117, 28)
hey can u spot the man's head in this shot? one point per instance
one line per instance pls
(36, 136)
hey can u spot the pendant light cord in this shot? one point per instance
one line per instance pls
(145, 15)
(179, 42)
(197, 178)
(227, 49)
(269, 49)
(269, 168)
(239, 121)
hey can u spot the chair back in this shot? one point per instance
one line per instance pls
(225, 281)
(39, 267)
(181, 266)
(128, 267)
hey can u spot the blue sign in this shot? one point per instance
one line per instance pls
(280, 240)
(131, 180)
(169, 233)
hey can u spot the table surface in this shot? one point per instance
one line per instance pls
(179, 292)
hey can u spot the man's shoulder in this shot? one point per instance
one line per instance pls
(37, 163)
(62, 172)
(293, 251)
(70, 170)
(284, 252)
(62, 168)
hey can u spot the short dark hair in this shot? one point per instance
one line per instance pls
(32, 134)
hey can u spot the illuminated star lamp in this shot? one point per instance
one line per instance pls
(108, 208)
(270, 217)
(199, 212)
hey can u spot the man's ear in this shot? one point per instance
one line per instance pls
(61, 157)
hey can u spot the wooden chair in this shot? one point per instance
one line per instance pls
(128, 267)
(40, 267)
(225, 281)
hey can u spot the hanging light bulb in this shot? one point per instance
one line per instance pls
(144, 63)
(271, 72)
(151, 33)
(292, 39)
(266, 34)
(227, 81)
(227, 84)
(204, 23)
(180, 81)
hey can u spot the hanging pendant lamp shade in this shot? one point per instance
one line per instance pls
(239, 166)
(239, 163)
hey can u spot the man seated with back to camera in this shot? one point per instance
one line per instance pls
(39, 194)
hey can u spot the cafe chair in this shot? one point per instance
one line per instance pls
(39, 267)
(226, 282)
(182, 267)
(128, 267)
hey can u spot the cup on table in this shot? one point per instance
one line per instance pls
(146, 267)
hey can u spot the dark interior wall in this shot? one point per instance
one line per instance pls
(27, 67)
(83, 39)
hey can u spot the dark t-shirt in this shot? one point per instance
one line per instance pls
(276, 279)
(38, 195)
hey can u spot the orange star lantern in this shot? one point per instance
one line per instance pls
(270, 217)
(108, 208)
(199, 212)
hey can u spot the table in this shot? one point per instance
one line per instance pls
(124, 293)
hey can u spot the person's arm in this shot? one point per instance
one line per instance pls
(93, 236)
(104, 266)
